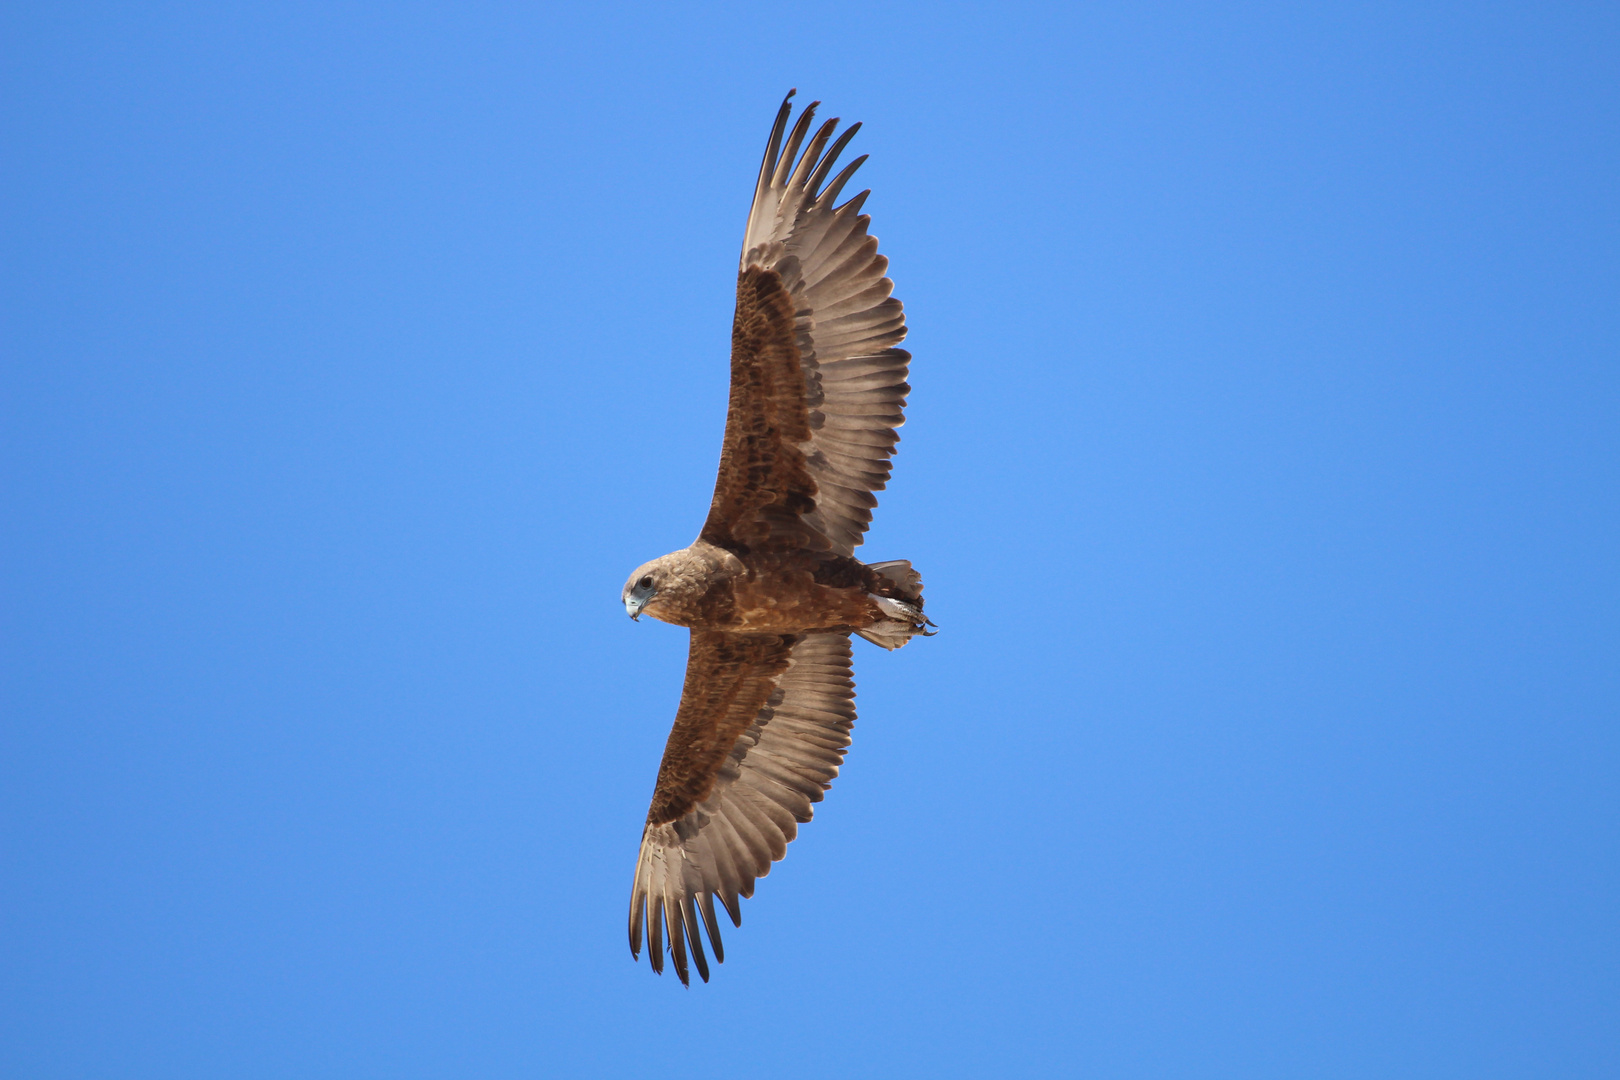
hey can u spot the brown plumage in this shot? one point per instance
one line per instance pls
(771, 588)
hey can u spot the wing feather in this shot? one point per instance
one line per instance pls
(799, 695)
(818, 388)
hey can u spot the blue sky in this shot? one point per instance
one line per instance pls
(1263, 468)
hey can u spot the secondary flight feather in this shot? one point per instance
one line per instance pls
(771, 588)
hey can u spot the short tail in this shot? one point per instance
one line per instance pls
(900, 572)
(905, 610)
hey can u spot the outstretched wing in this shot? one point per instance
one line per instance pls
(817, 390)
(761, 730)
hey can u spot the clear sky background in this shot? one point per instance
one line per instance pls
(1263, 468)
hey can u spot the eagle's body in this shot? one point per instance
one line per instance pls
(769, 592)
(771, 588)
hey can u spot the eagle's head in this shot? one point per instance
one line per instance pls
(671, 587)
(642, 587)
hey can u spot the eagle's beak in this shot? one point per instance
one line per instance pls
(634, 607)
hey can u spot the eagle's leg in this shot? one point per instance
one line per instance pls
(897, 609)
(901, 623)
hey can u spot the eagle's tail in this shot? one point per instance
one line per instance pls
(905, 615)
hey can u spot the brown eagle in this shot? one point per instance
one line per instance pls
(771, 589)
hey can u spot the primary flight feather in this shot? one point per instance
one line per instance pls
(771, 589)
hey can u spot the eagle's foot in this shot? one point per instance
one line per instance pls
(901, 623)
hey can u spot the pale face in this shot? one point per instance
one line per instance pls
(640, 589)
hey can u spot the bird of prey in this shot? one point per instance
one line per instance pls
(771, 589)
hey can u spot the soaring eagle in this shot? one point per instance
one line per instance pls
(771, 588)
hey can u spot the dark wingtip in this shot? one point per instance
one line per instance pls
(712, 925)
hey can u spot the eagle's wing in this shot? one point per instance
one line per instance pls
(761, 730)
(817, 391)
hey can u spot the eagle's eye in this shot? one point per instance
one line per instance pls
(645, 582)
